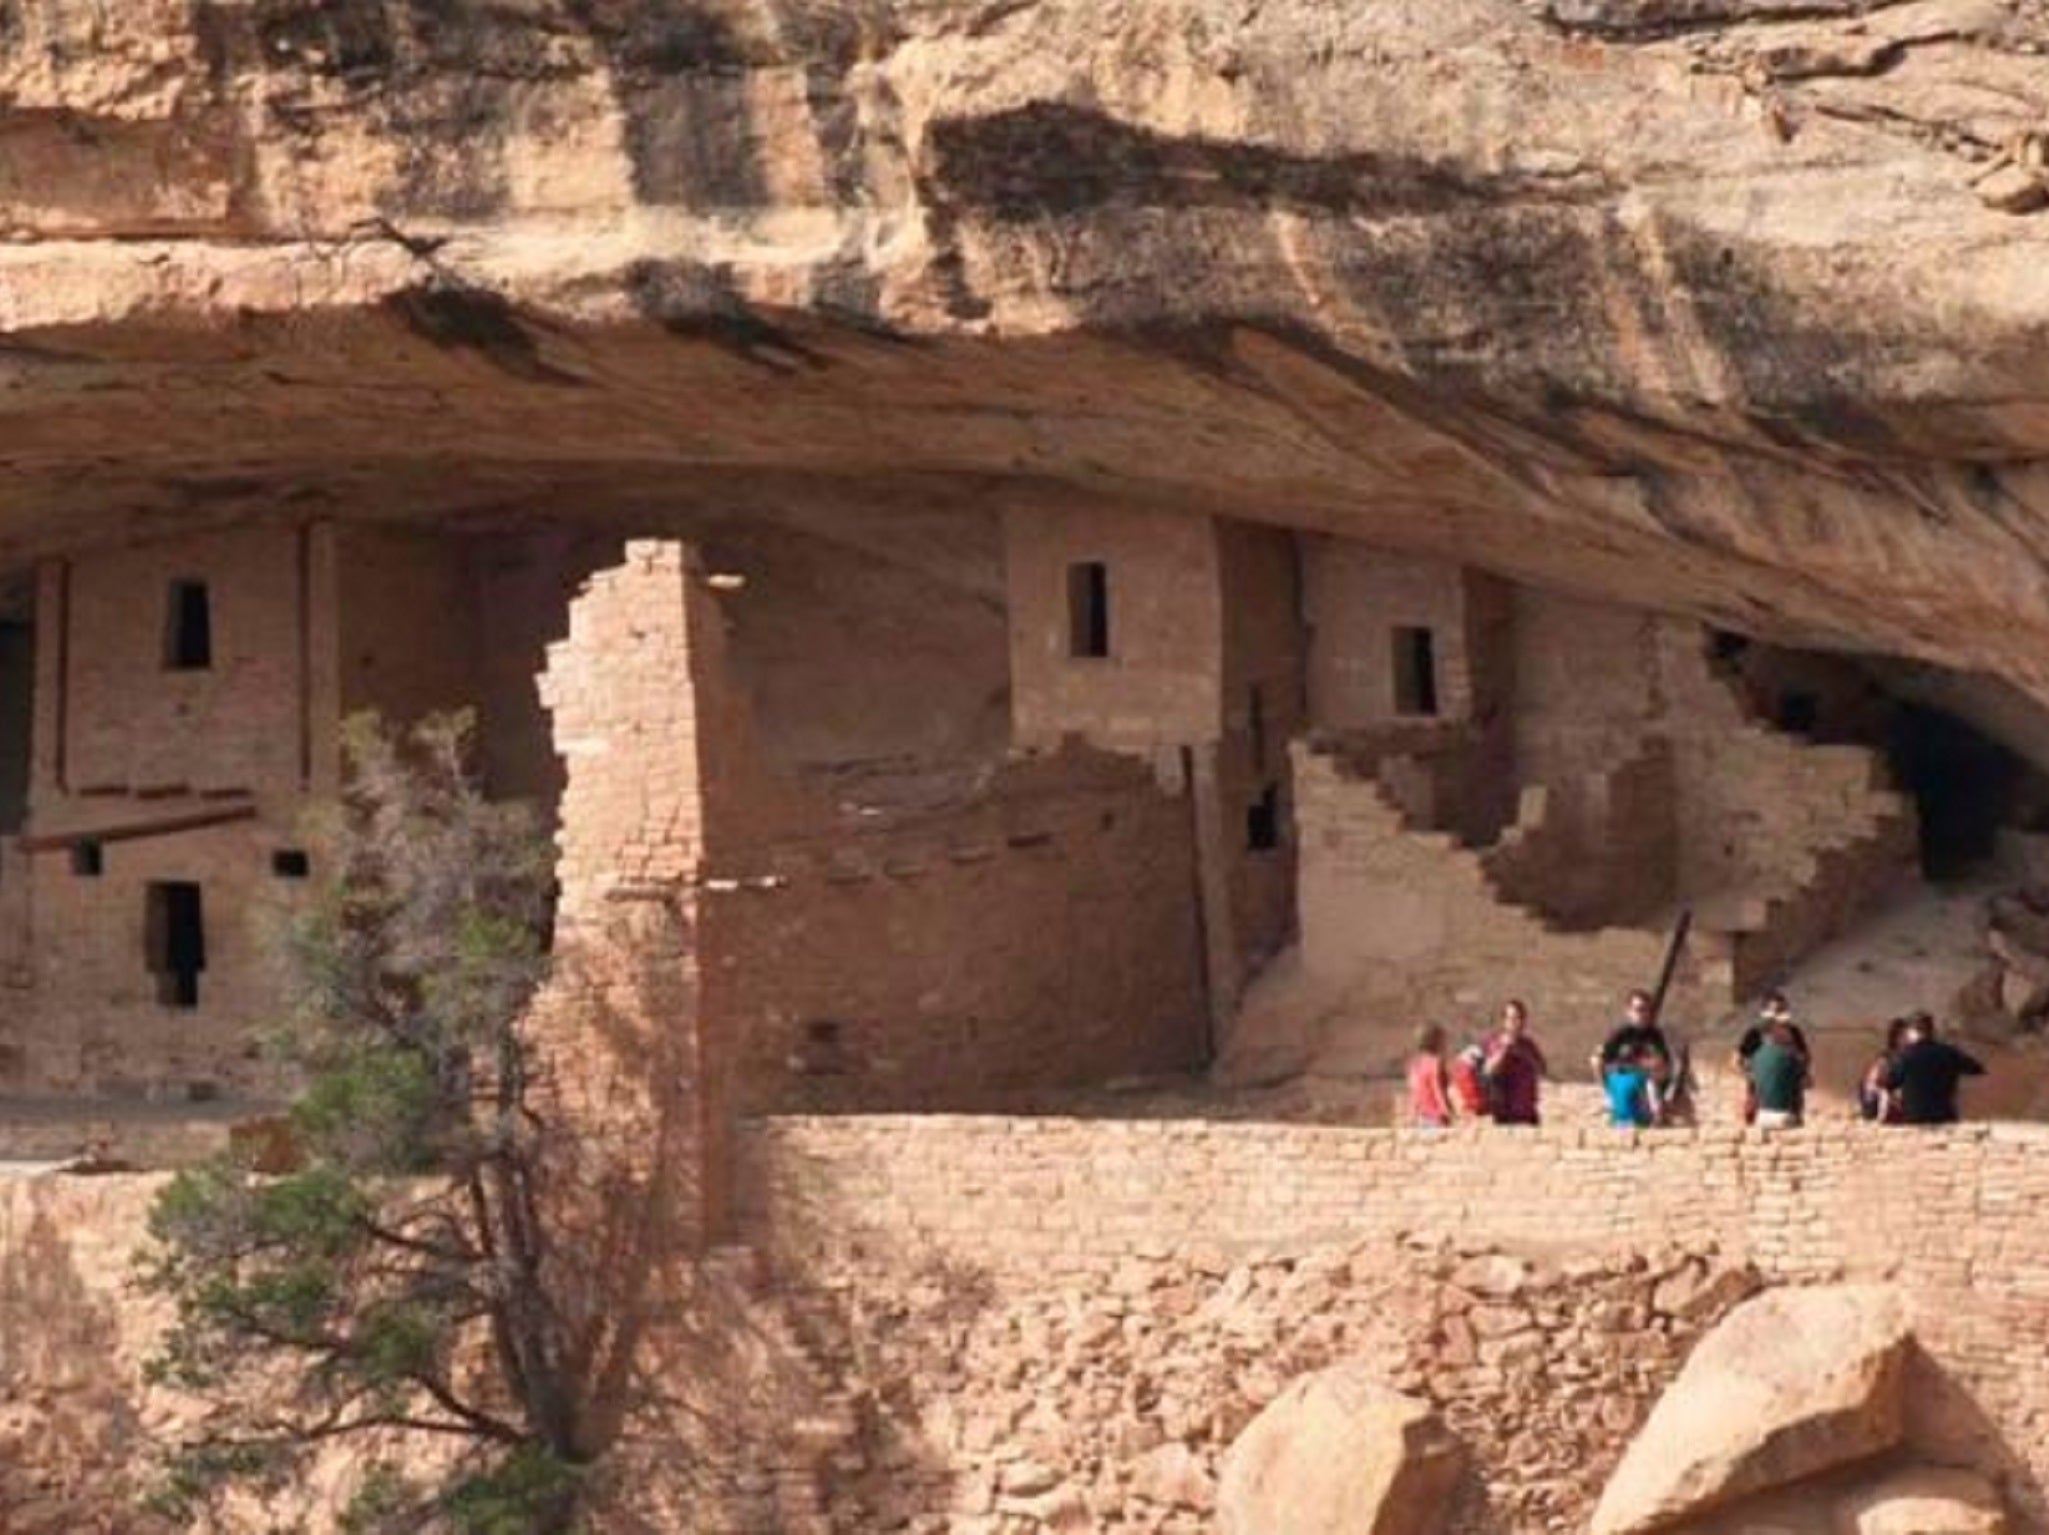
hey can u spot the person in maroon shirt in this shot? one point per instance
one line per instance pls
(1515, 1067)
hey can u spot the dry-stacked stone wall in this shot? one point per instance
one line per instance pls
(1066, 1319)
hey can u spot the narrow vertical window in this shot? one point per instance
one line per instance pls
(1415, 671)
(1088, 610)
(1263, 821)
(175, 933)
(188, 628)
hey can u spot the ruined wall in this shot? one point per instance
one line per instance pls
(1599, 850)
(896, 914)
(1777, 843)
(1040, 934)
(628, 1055)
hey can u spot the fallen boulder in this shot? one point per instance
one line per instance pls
(1337, 1453)
(1792, 1383)
(1927, 1502)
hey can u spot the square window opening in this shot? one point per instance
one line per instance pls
(291, 863)
(188, 628)
(174, 931)
(1415, 671)
(1088, 610)
(88, 859)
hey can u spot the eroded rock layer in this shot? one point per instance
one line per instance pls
(1726, 305)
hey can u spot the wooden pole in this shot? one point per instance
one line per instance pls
(133, 831)
(1680, 929)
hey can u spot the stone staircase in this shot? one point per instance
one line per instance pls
(1574, 900)
(1823, 886)
(1409, 925)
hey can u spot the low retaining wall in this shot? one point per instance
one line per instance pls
(1965, 1206)
(944, 1257)
(1958, 1218)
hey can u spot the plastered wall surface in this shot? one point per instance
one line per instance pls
(125, 741)
(1162, 682)
(133, 725)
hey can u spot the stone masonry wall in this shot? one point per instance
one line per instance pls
(1354, 598)
(976, 1325)
(124, 740)
(620, 1031)
(1041, 933)
(1012, 1207)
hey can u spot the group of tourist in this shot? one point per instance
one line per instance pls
(1913, 1080)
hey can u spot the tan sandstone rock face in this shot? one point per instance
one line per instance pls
(1338, 1454)
(1792, 1384)
(1729, 306)
(1927, 1503)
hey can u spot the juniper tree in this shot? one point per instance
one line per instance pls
(400, 1285)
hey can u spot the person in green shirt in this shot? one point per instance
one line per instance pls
(1778, 1072)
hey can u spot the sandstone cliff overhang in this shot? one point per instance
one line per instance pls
(1702, 303)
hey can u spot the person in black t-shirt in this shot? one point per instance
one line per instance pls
(1637, 1037)
(1926, 1072)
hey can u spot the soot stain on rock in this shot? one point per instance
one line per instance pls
(1049, 159)
(682, 77)
(700, 303)
(472, 320)
(1804, 374)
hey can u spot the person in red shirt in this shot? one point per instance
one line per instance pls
(1429, 1085)
(1515, 1068)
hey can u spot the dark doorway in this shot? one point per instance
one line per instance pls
(174, 929)
(1964, 784)
(1415, 672)
(1263, 821)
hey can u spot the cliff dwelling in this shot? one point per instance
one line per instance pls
(1062, 578)
(1036, 807)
